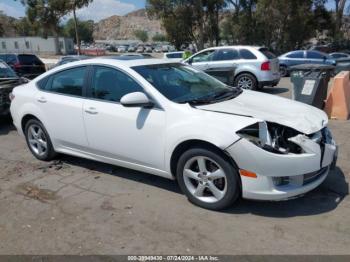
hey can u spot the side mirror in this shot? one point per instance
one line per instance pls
(136, 99)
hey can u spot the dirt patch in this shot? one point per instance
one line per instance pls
(34, 192)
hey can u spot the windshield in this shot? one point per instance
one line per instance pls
(6, 71)
(184, 84)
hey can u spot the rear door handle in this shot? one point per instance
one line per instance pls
(42, 100)
(91, 111)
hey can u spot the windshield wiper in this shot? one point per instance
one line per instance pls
(213, 98)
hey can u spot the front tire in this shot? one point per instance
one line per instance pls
(208, 179)
(38, 140)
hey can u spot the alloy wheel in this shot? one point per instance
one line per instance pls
(245, 83)
(205, 179)
(37, 140)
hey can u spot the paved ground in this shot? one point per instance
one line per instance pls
(75, 206)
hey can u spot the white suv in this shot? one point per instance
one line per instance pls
(254, 67)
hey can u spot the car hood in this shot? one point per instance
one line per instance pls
(299, 116)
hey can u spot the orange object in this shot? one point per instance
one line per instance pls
(338, 101)
(247, 173)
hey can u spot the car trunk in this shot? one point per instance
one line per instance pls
(274, 63)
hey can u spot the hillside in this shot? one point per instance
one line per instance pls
(123, 27)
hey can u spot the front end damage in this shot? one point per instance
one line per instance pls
(285, 161)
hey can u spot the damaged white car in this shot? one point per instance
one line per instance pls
(174, 121)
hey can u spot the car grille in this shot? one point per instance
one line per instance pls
(311, 177)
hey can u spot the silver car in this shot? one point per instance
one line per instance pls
(253, 67)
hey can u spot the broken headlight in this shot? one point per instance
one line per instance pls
(271, 137)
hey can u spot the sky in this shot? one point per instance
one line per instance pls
(96, 11)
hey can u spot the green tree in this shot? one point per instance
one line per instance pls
(48, 13)
(159, 38)
(85, 30)
(77, 4)
(141, 35)
(23, 27)
(184, 20)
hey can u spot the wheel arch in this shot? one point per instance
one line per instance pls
(246, 72)
(193, 143)
(25, 120)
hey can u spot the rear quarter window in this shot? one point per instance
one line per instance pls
(246, 54)
(29, 60)
(267, 53)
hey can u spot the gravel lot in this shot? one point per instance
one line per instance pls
(76, 206)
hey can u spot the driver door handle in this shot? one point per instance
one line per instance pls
(91, 111)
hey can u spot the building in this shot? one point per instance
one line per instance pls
(36, 45)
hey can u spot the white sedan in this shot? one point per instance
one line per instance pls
(174, 121)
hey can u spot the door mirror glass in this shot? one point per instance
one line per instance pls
(136, 99)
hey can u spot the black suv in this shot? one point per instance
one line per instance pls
(26, 65)
(8, 81)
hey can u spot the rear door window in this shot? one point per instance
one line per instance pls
(298, 54)
(246, 54)
(314, 55)
(225, 55)
(67, 82)
(29, 60)
(267, 53)
(174, 55)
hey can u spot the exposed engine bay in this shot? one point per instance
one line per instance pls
(280, 139)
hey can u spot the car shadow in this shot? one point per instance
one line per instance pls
(275, 90)
(122, 172)
(6, 125)
(323, 199)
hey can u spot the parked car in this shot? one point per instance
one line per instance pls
(158, 49)
(148, 49)
(26, 65)
(8, 80)
(254, 67)
(338, 55)
(303, 57)
(128, 57)
(123, 48)
(132, 48)
(71, 58)
(140, 49)
(174, 56)
(150, 115)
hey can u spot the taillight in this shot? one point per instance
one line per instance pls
(17, 65)
(11, 96)
(265, 66)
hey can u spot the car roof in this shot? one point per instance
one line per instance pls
(234, 46)
(118, 62)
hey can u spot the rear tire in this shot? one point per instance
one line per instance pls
(283, 71)
(38, 140)
(246, 81)
(208, 179)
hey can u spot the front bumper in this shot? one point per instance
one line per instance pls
(303, 172)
